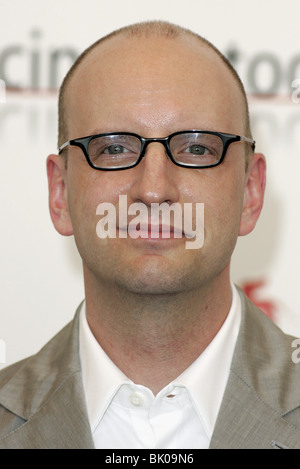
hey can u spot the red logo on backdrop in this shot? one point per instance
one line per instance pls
(252, 290)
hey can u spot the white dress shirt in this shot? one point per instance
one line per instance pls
(125, 415)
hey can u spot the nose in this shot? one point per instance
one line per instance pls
(156, 177)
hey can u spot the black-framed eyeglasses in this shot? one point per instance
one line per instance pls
(123, 150)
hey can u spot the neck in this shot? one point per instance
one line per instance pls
(154, 338)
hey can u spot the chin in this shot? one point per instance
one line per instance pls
(155, 282)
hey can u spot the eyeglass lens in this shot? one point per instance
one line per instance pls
(114, 151)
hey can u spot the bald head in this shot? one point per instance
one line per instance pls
(155, 31)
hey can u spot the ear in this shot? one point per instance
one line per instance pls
(254, 193)
(58, 200)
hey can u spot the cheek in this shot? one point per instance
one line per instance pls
(223, 205)
(86, 190)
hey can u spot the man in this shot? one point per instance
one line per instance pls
(165, 352)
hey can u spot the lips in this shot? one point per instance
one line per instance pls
(153, 231)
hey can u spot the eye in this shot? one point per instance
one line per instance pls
(115, 149)
(197, 150)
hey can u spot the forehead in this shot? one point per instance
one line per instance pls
(158, 75)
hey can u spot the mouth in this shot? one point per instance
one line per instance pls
(152, 231)
(160, 231)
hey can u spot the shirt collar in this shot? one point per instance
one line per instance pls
(205, 378)
(101, 377)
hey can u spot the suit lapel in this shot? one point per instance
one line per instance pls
(46, 393)
(262, 390)
(245, 421)
(61, 423)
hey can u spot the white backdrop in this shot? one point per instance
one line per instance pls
(40, 275)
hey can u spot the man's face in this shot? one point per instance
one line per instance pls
(154, 87)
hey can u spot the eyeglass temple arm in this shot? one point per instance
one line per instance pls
(249, 140)
(64, 145)
(245, 139)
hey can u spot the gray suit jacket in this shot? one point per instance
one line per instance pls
(42, 403)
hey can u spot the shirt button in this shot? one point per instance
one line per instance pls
(137, 399)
